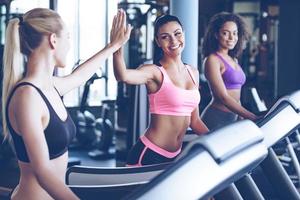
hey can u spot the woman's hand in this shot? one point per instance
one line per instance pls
(120, 31)
(254, 117)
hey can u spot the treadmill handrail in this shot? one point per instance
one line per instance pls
(236, 140)
(198, 175)
(294, 100)
(280, 122)
(87, 175)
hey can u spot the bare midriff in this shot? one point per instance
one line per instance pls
(167, 131)
(234, 93)
(29, 187)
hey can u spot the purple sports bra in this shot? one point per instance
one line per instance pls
(233, 78)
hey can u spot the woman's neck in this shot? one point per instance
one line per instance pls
(223, 51)
(170, 62)
(40, 70)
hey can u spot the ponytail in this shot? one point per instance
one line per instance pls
(23, 36)
(13, 65)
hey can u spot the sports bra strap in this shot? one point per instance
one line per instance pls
(38, 89)
(166, 76)
(222, 59)
(58, 93)
(226, 64)
(191, 74)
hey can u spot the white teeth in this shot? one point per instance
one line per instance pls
(175, 47)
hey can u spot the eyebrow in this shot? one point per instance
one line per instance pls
(173, 32)
(228, 30)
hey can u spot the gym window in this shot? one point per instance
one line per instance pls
(18, 7)
(89, 24)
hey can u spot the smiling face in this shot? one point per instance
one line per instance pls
(228, 35)
(170, 38)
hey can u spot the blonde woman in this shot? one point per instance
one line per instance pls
(33, 112)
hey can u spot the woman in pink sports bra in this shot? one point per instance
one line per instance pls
(222, 45)
(173, 94)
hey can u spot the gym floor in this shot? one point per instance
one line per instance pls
(85, 159)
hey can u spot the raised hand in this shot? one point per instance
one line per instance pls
(120, 31)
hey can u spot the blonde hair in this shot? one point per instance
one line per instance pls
(23, 36)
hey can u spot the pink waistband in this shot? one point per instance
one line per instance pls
(157, 149)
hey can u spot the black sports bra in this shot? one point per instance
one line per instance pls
(59, 134)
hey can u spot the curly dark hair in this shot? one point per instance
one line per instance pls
(211, 44)
(159, 22)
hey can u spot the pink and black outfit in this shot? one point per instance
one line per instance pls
(168, 100)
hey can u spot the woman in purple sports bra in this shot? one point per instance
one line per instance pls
(172, 91)
(223, 42)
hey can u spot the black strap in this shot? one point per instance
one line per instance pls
(28, 83)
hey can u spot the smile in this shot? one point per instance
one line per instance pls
(174, 47)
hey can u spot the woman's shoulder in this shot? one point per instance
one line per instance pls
(212, 57)
(25, 93)
(192, 68)
(25, 100)
(151, 68)
(148, 66)
(154, 71)
(212, 60)
(23, 89)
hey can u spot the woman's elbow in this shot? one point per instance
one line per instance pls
(124, 80)
(120, 78)
(41, 173)
(223, 98)
(194, 123)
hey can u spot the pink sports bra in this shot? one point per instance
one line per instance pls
(172, 100)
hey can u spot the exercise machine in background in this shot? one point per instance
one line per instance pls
(95, 133)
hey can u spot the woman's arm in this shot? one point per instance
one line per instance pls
(197, 125)
(213, 75)
(141, 75)
(85, 71)
(28, 116)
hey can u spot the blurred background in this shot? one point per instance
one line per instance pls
(110, 116)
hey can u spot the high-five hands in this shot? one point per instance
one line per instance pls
(120, 31)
